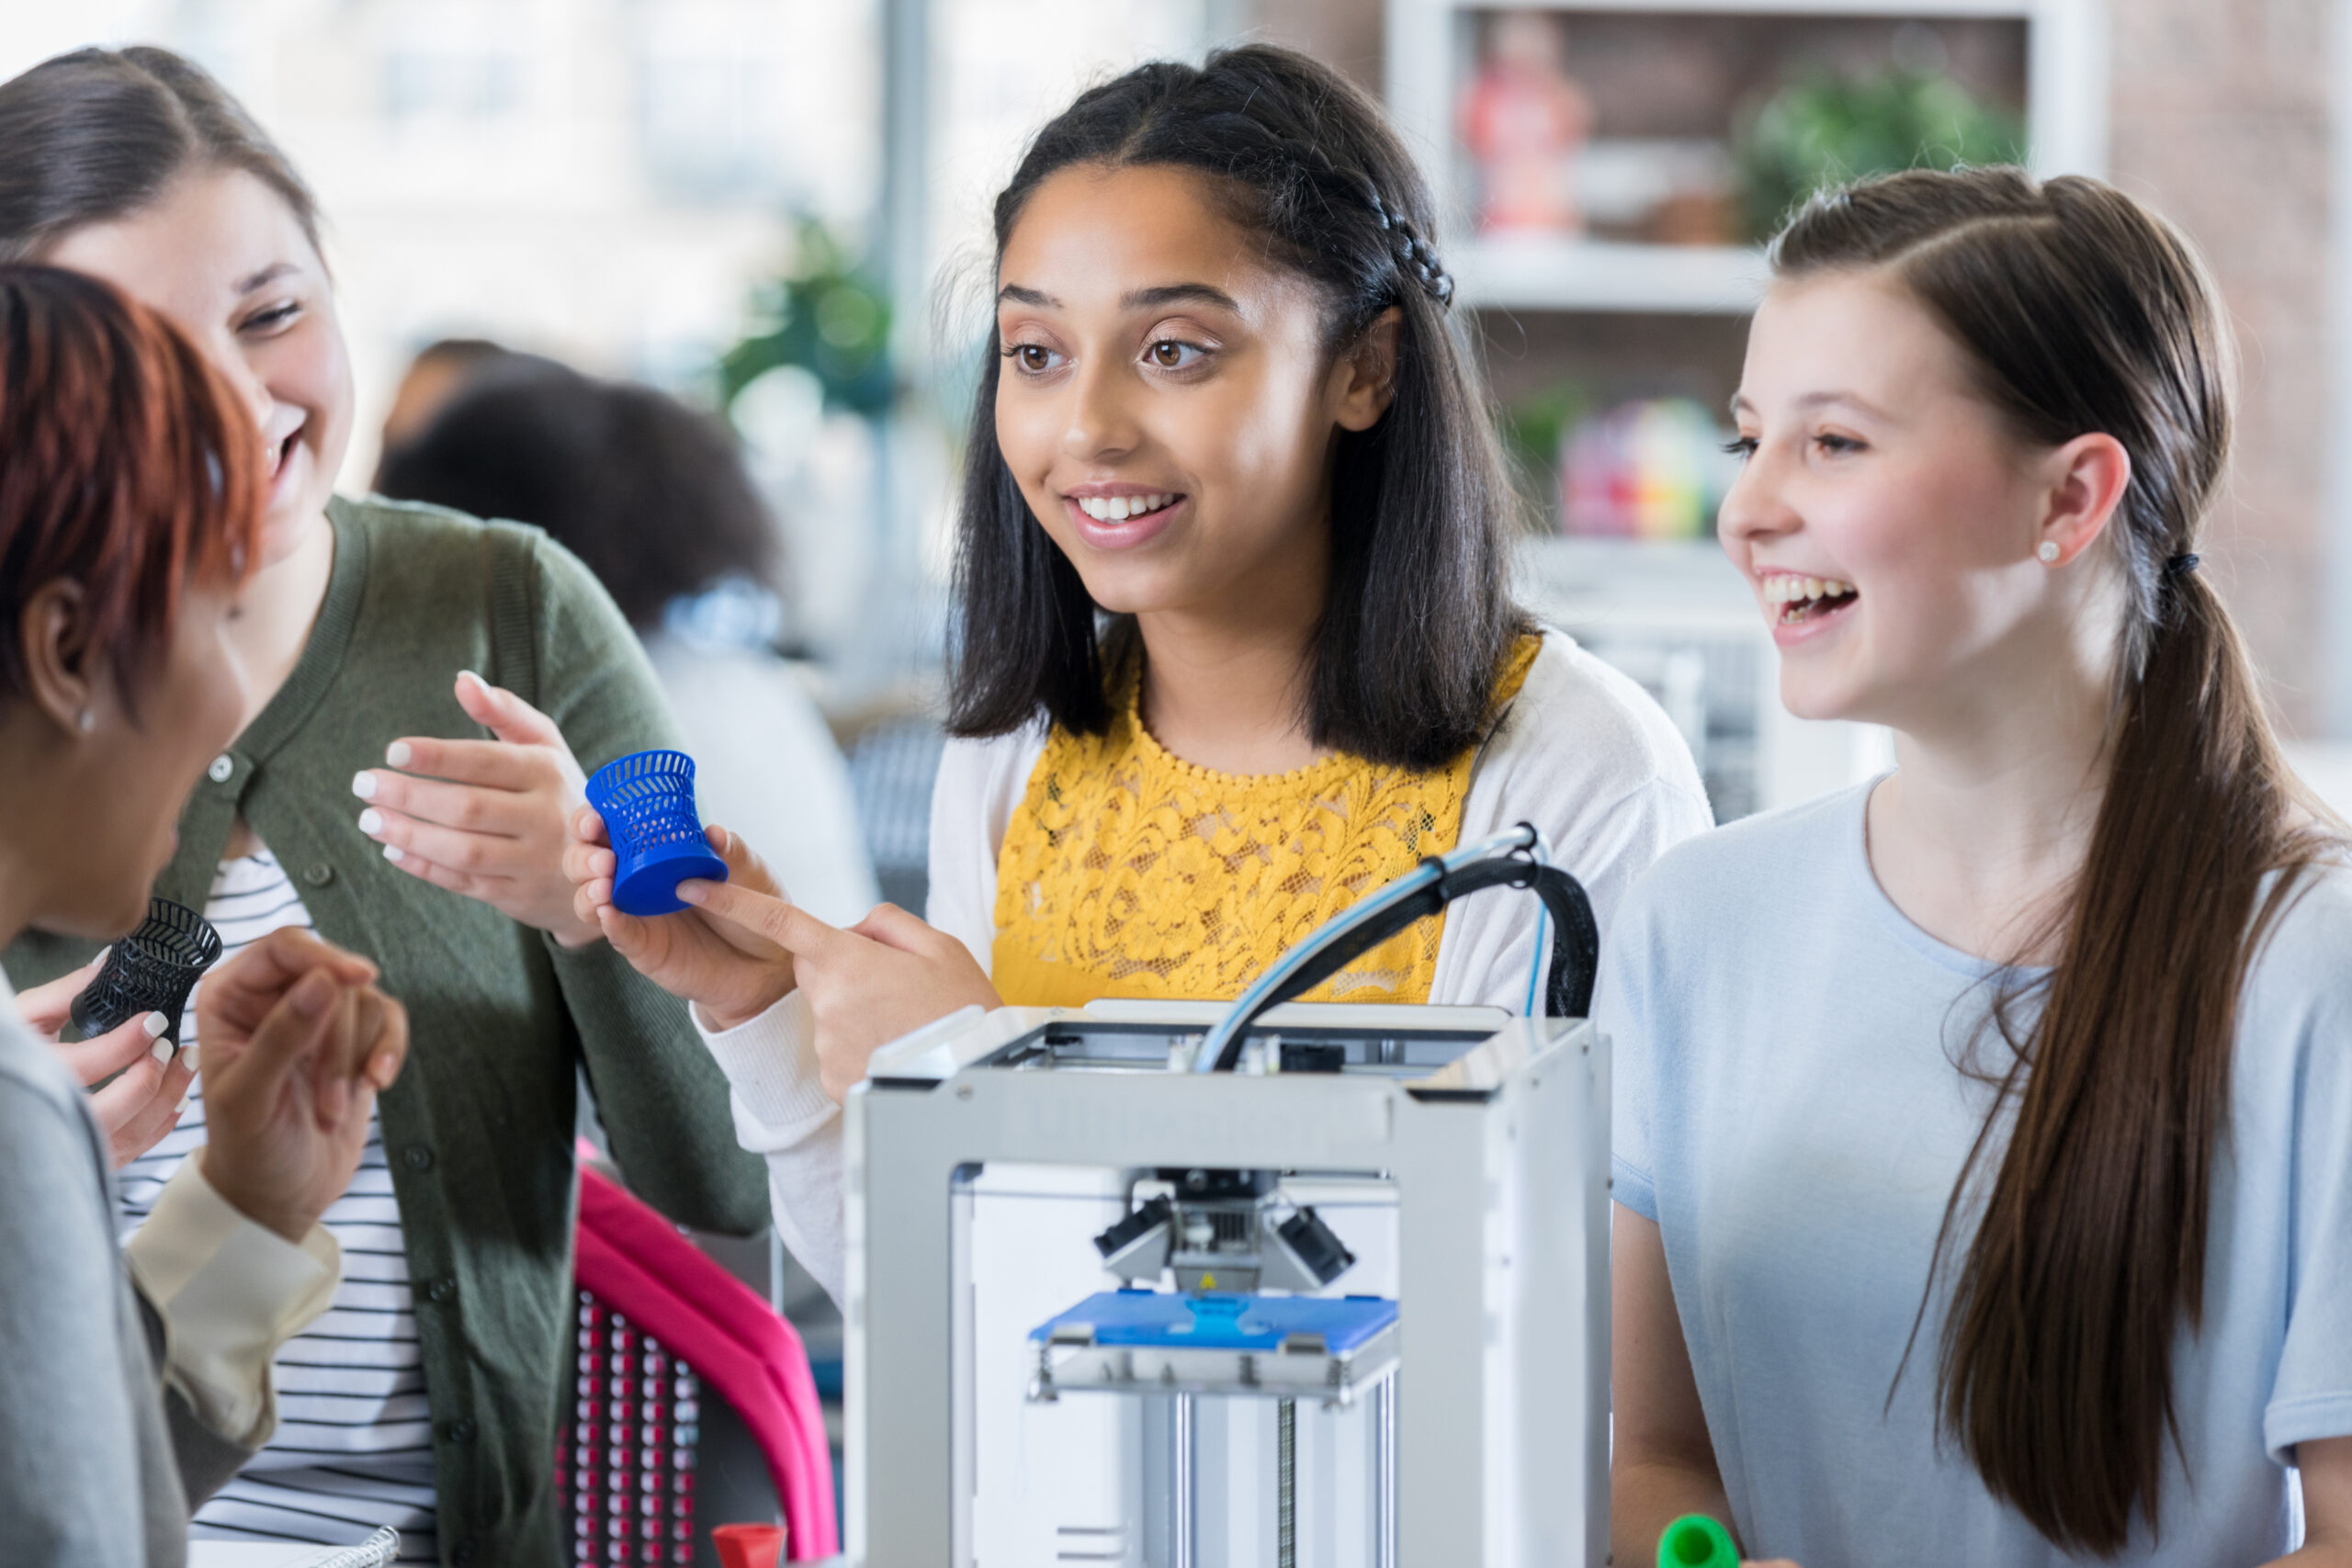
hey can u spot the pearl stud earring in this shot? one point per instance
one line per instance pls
(2047, 551)
(87, 720)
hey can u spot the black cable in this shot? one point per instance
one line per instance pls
(1576, 938)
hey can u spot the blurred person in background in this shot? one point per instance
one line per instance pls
(135, 1379)
(654, 497)
(430, 1396)
(440, 371)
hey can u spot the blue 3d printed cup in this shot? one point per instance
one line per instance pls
(151, 970)
(647, 800)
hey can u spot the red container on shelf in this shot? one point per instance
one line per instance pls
(749, 1546)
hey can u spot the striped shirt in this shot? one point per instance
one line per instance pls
(354, 1445)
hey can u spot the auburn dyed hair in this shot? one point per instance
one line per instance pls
(127, 466)
(2079, 310)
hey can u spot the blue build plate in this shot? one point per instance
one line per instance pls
(1158, 1320)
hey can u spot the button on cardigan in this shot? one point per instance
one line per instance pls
(500, 1015)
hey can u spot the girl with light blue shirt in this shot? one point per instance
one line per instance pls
(1983, 1133)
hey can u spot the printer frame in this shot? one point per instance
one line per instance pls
(1500, 1410)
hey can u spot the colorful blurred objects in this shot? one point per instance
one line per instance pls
(1826, 129)
(1523, 119)
(1533, 426)
(1653, 468)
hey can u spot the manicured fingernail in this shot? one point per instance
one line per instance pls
(371, 821)
(188, 1058)
(383, 1069)
(396, 754)
(104, 953)
(393, 853)
(480, 685)
(162, 1052)
(154, 1023)
(181, 1108)
(364, 785)
(312, 994)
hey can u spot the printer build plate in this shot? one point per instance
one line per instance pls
(1138, 1341)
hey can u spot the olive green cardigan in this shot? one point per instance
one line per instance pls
(479, 1131)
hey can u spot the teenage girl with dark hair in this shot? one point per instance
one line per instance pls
(1234, 646)
(428, 1398)
(1983, 1133)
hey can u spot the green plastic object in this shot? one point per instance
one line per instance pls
(1695, 1541)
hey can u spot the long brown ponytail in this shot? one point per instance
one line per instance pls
(2083, 311)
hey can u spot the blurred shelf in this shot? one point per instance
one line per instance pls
(1537, 273)
(1570, 556)
(1685, 585)
(1431, 50)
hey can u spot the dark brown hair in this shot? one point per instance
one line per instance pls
(651, 494)
(96, 134)
(1418, 613)
(131, 468)
(2081, 312)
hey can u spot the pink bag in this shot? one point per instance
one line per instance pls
(637, 1263)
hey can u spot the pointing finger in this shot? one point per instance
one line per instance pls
(788, 926)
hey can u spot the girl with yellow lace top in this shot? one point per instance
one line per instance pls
(1235, 645)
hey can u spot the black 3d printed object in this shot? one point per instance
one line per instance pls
(151, 970)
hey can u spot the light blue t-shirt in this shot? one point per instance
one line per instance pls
(1789, 1112)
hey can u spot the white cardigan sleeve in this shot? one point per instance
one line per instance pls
(1583, 753)
(782, 1112)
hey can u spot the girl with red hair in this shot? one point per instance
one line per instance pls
(127, 510)
(365, 781)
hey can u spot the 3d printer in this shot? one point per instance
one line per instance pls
(1191, 1285)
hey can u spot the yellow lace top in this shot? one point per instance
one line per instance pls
(1128, 872)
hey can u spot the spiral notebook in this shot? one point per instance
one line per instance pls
(375, 1552)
